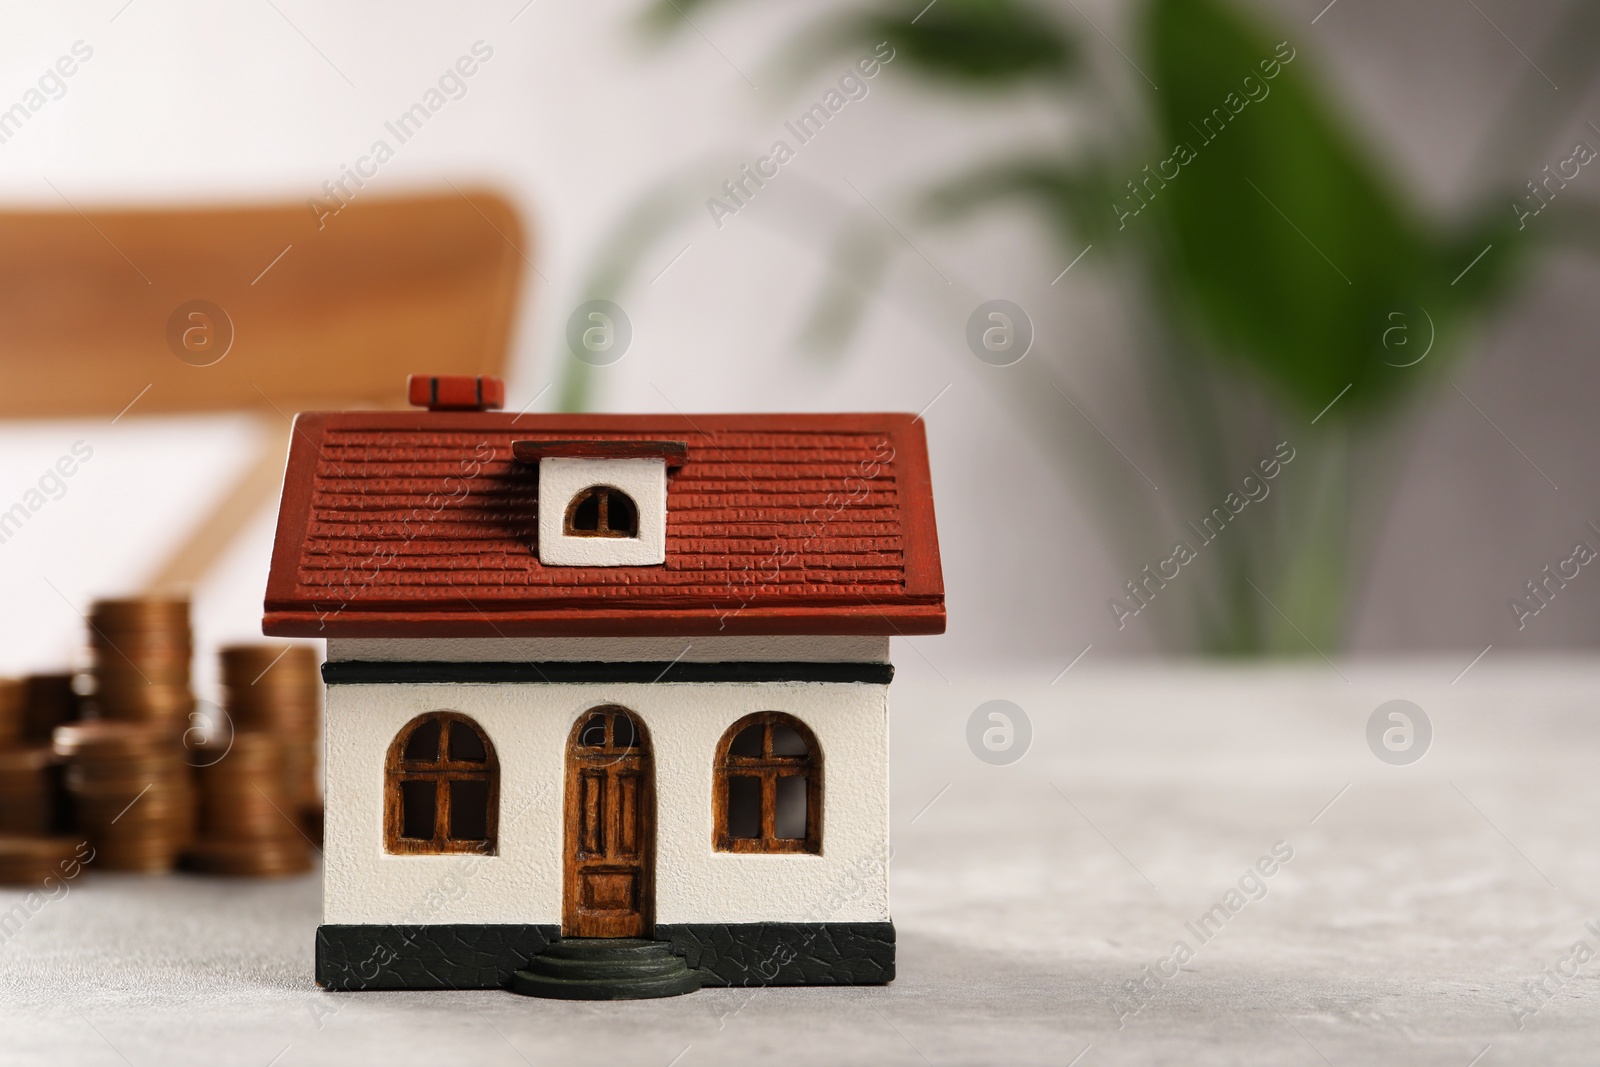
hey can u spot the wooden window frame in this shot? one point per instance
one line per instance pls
(441, 771)
(604, 492)
(768, 768)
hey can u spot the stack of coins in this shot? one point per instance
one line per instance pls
(247, 820)
(13, 700)
(142, 648)
(276, 689)
(133, 792)
(31, 860)
(27, 790)
(51, 701)
(28, 778)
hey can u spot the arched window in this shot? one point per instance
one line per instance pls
(441, 787)
(768, 791)
(602, 511)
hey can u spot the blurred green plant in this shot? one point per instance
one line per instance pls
(1268, 259)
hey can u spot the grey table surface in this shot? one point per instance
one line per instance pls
(1421, 909)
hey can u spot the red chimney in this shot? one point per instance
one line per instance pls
(455, 392)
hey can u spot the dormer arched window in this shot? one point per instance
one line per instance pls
(602, 511)
(602, 503)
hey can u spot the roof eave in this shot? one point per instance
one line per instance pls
(893, 620)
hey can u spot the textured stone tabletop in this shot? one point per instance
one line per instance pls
(1418, 911)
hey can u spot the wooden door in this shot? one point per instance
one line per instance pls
(608, 883)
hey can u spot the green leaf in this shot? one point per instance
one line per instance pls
(1071, 194)
(666, 17)
(980, 42)
(1277, 238)
(973, 43)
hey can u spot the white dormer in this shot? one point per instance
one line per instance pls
(602, 503)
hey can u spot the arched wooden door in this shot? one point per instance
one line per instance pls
(608, 875)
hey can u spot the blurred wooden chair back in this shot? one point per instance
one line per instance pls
(273, 308)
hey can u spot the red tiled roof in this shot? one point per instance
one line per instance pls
(422, 524)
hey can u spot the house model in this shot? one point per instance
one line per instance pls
(607, 695)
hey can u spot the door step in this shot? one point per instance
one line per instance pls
(605, 968)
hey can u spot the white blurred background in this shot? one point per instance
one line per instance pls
(574, 117)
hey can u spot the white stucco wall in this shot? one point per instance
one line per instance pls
(802, 649)
(529, 725)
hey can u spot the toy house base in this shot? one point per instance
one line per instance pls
(471, 956)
